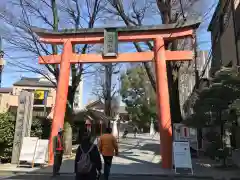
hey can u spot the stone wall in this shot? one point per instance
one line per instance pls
(187, 78)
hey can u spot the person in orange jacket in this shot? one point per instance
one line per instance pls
(108, 147)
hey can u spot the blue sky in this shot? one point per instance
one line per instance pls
(12, 73)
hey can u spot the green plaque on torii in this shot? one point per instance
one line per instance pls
(110, 42)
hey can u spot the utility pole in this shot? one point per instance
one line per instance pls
(2, 62)
(196, 61)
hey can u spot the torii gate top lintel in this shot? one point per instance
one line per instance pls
(95, 35)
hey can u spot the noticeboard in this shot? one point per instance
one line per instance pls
(184, 133)
(28, 149)
(41, 151)
(182, 157)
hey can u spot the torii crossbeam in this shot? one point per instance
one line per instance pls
(157, 34)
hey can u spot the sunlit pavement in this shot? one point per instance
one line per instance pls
(139, 158)
(138, 155)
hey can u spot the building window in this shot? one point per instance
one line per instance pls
(40, 97)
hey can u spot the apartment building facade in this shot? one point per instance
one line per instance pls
(225, 34)
(44, 96)
(78, 97)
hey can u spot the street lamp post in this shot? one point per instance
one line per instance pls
(101, 123)
(2, 62)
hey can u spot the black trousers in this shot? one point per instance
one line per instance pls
(107, 166)
(57, 162)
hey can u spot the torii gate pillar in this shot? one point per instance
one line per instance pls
(163, 105)
(158, 34)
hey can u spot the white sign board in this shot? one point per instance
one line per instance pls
(41, 151)
(28, 149)
(184, 133)
(182, 157)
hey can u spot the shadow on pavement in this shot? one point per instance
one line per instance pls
(127, 154)
(142, 139)
(151, 147)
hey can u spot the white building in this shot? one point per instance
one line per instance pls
(78, 99)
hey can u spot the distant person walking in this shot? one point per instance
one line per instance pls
(58, 149)
(135, 130)
(108, 147)
(88, 163)
(125, 132)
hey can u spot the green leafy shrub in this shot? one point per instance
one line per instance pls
(36, 128)
(46, 128)
(215, 140)
(7, 124)
(39, 128)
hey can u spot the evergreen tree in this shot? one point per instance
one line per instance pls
(139, 96)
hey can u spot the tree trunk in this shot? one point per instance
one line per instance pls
(224, 157)
(68, 123)
(107, 89)
(174, 95)
(172, 70)
(221, 128)
(67, 138)
(174, 102)
(55, 28)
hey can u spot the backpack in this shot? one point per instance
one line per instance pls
(84, 165)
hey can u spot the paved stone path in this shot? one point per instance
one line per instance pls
(140, 157)
(137, 156)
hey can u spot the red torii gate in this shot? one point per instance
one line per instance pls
(158, 34)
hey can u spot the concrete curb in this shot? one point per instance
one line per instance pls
(7, 177)
(117, 175)
(15, 173)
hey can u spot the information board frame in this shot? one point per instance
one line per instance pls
(34, 146)
(43, 153)
(181, 150)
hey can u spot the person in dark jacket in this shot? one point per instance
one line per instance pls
(86, 145)
(58, 148)
(135, 130)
